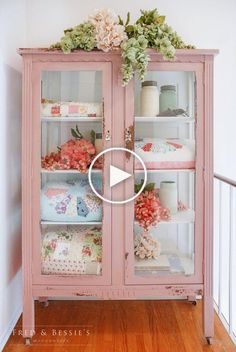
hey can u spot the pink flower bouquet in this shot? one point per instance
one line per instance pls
(148, 208)
(74, 154)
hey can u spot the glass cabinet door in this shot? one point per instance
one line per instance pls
(72, 235)
(166, 245)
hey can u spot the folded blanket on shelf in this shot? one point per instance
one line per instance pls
(63, 109)
(71, 201)
(72, 250)
(160, 153)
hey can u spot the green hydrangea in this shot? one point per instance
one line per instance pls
(152, 30)
(83, 36)
(79, 37)
(66, 43)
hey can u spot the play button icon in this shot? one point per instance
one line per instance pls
(117, 175)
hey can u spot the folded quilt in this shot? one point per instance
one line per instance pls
(71, 201)
(162, 153)
(63, 109)
(71, 251)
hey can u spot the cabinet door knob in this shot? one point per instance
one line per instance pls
(126, 255)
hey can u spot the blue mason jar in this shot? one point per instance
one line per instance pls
(168, 98)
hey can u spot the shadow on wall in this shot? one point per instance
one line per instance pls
(13, 170)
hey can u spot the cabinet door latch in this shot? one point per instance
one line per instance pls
(129, 140)
(129, 137)
(107, 135)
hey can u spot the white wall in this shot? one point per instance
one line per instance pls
(207, 24)
(13, 30)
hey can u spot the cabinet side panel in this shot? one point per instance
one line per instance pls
(208, 320)
(199, 187)
(28, 302)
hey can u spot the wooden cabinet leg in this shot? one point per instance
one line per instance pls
(192, 299)
(208, 317)
(27, 341)
(209, 340)
(28, 321)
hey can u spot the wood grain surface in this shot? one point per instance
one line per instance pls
(120, 326)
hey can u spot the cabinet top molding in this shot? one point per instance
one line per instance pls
(179, 52)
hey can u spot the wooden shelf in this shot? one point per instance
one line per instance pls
(97, 171)
(182, 217)
(158, 119)
(92, 223)
(71, 119)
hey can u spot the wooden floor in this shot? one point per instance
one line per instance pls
(120, 326)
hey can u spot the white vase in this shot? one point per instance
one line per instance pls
(98, 143)
(168, 196)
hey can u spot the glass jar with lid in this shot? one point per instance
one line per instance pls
(149, 99)
(168, 98)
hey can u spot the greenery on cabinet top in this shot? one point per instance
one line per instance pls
(106, 31)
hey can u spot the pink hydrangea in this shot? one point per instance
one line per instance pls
(109, 34)
(149, 211)
(74, 154)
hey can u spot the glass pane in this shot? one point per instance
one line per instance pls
(71, 136)
(164, 214)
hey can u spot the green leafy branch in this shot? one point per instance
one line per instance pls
(93, 136)
(76, 133)
(149, 31)
(149, 186)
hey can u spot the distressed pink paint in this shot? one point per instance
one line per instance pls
(152, 165)
(117, 280)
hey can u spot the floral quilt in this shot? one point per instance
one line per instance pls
(72, 250)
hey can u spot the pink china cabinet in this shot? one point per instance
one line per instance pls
(74, 243)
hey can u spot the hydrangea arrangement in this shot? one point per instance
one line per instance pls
(146, 247)
(107, 31)
(148, 208)
(76, 154)
(109, 34)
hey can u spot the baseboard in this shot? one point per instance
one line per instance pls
(7, 333)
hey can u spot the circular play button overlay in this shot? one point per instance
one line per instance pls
(117, 175)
